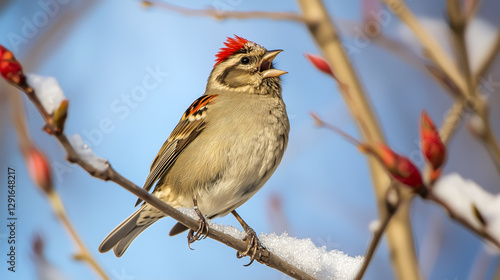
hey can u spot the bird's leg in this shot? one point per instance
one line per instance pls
(202, 231)
(253, 243)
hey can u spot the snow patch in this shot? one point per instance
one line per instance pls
(461, 195)
(301, 253)
(47, 90)
(86, 153)
(317, 262)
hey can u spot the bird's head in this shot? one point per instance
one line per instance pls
(245, 66)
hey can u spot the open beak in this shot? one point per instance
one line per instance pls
(266, 65)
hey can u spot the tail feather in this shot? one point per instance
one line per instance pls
(123, 244)
(122, 236)
(178, 228)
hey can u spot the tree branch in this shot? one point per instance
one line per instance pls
(462, 221)
(393, 201)
(489, 58)
(399, 232)
(457, 20)
(466, 86)
(437, 54)
(224, 14)
(26, 145)
(109, 174)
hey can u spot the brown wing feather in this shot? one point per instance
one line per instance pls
(191, 125)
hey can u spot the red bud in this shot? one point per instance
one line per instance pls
(431, 144)
(10, 68)
(38, 169)
(320, 64)
(400, 168)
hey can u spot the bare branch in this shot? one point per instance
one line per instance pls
(392, 204)
(224, 14)
(26, 144)
(437, 54)
(489, 58)
(457, 24)
(452, 120)
(462, 221)
(465, 83)
(325, 34)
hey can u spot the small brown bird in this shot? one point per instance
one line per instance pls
(226, 146)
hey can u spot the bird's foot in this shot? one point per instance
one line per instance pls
(254, 246)
(201, 232)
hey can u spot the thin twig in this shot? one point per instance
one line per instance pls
(488, 59)
(265, 256)
(491, 144)
(478, 104)
(83, 254)
(379, 232)
(25, 143)
(472, 96)
(321, 123)
(325, 34)
(452, 120)
(18, 120)
(462, 221)
(457, 23)
(377, 237)
(225, 14)
(437, 54)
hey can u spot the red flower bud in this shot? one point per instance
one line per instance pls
(400, 168)
(39, 169)
(10, 68)
(320, 64)
(431, 144)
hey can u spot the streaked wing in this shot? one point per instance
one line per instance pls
(191, 125)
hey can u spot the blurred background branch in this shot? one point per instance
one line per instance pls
(40, 172)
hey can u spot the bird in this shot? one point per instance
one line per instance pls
(225, 147)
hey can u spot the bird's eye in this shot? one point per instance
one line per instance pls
(245, 60)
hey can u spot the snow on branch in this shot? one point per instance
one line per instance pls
(301, 253)
(47, 90)
(468, 201)
(318, 262)
(86, 154)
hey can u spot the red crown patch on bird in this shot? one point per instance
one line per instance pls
(232, 45)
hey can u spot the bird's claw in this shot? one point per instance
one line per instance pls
(201, 232)
(254, 246)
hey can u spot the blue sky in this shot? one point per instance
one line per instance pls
(100, 52)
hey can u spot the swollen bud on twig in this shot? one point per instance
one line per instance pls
(321, 64)
(478, 215)
(431, 144)
(39, 169)
(10, 68)
(60, 116)
(399, 167)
